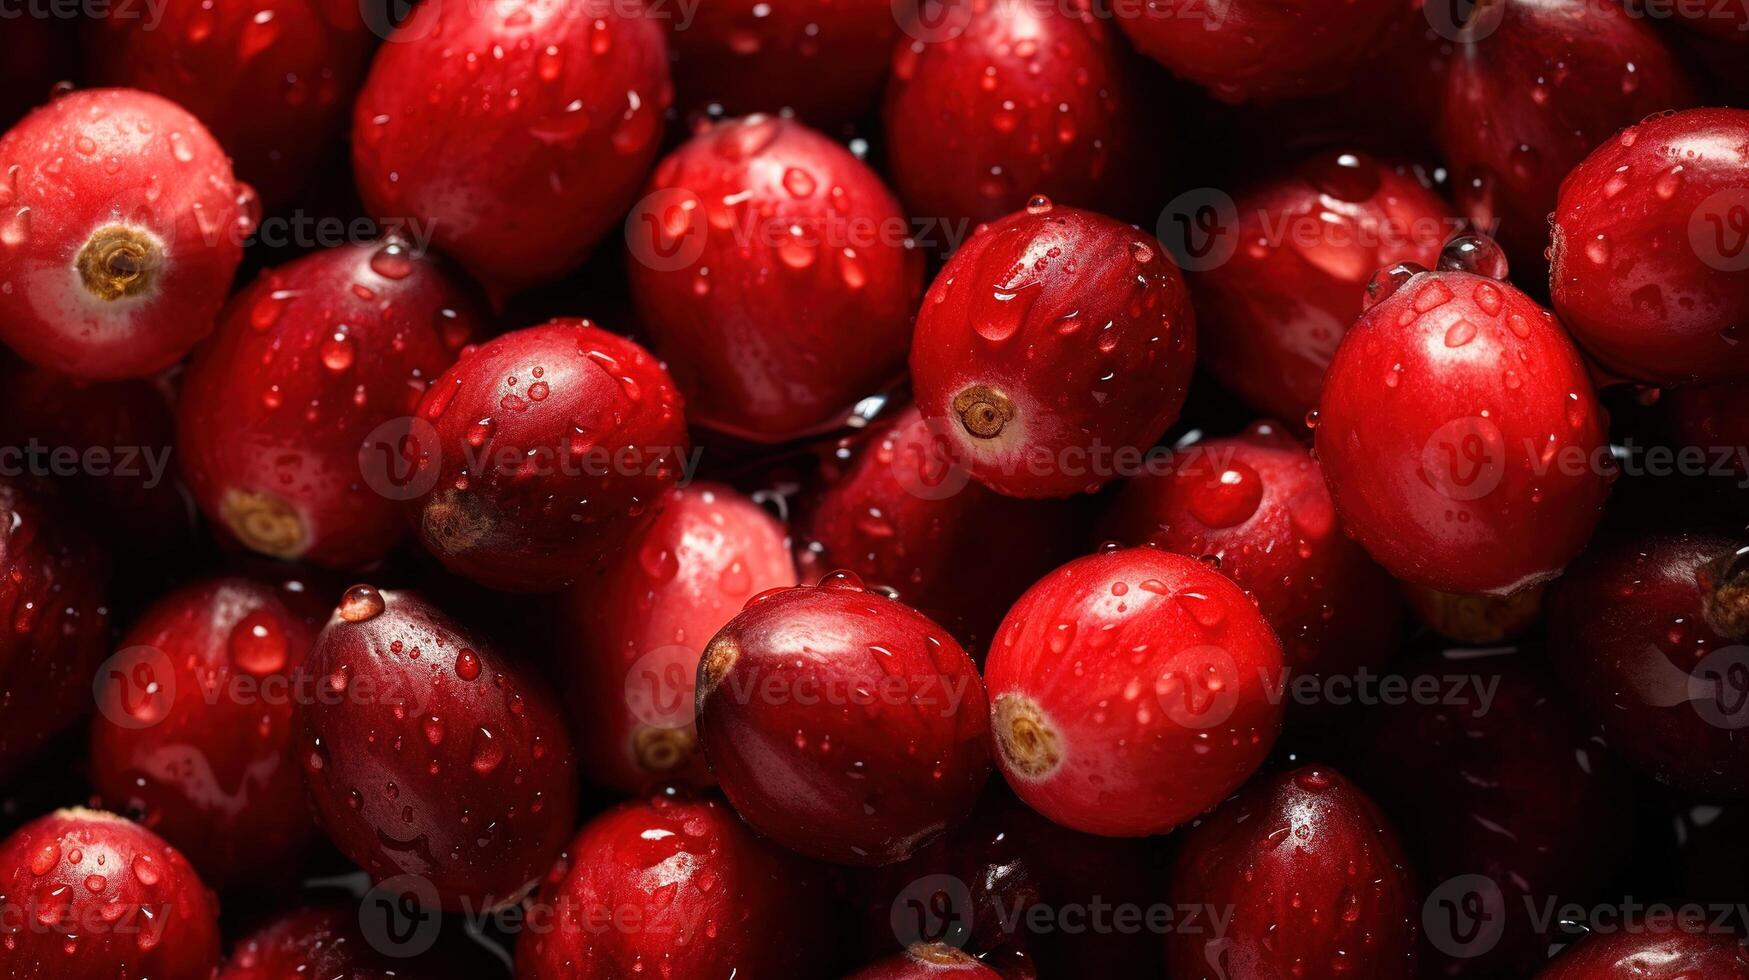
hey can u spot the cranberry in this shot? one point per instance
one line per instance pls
(327, 942)
(1259, 50)
(272, 79)
(775, 272)
(429, 753)
(1691, 948)
(1308, 880)
(519, 131)
(924, 961)
(682, 888)
(825, 59)
(291, 415)
(1648, 233)
(1258, 505)
(53, 599)
(1459, 432)
(904, 516)
(1304, 247)
(1504, 803)
(94, 897)
(1131, 690)
(542, 450)
(1724, 21)
(1020, 99)
(1055, 343)
(1647, 631)
(1477, 620)
(1536, 85)
(843, 724)
(122, 227)
(639, 632)
(194, 727)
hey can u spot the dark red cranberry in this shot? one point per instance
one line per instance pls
(1690, 949)
(676, 888)
(637, 634)
(843, 724)
(429, 753)
(540, 451)
(926, 961)
(776, 274)
(519, 132)
(1459, 431)
(1304, 247)
(1300, 875)
(1713, 419)
(1054, 346)
(1258, 506)
(1534, 87)
(1723, 21)
(1131, 690)
(194, 728)
(1647, 632)
(292, 414)
(328, 942)
(1018, 99)
(91, 896)
(1651, 249)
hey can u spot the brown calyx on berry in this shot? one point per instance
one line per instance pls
(983, 410)
(264, 522)
(1025, 737)
(1724, 594)
(719, 658)
(939, 954)
(118, 261)
(663, 749)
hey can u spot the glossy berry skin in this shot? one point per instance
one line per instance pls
(1306, 243)
(1025, 99)
(637, 634)
(824, 59)
(205, 756)
(1258, 504)
(272, 79)
(1050, 339)
(96, 897)
(1649, 233)
(1632, 627)
(680, 888)
(902, 514)
(123, 226)
(1526, 101)
(1131, 690)
(326, 941)
(774, 272)
(1686, 951)
(520, 131)
(842, 724)
(545, 448)
(926, 961)
(1460, 435)
(1312, 876)
(282, 413)
(429, 753)
(1260, 50)
(54, 593)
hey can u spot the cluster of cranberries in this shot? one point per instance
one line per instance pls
(799, 542)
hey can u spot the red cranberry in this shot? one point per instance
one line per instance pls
(429, 753)
(1052, 345)
(91, 896)
(1304, 877)
(1303, 249)
(543, 449)
(120, 228)
(639, 632)
(1535, 86)
(925, 961)
(306, 387)
(327, 942)
(1258, 505)
(1258, 50)
(825, 59)
(53, 599)
(681, 888)
(194, 727)
(520, 132)
(905, 517)
(1459, 432)
(1131, 690)
(775, 272)
(842, 724)
(272, 79)
(1690, 949)
(1649, 256)
(1647, 631)
(1020, 99)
